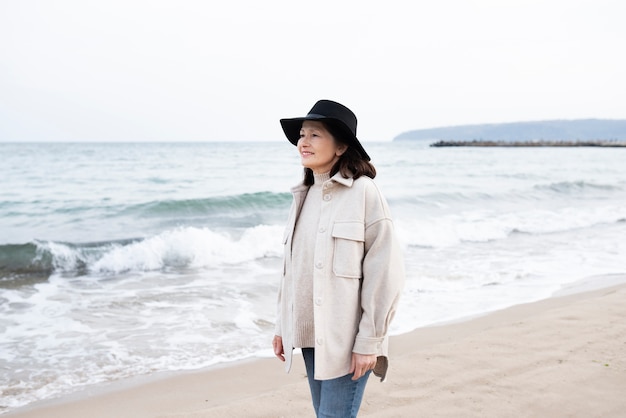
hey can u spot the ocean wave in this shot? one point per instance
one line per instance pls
(487, 225)
(233, 204)
(470, 197)
(180, 248)
(571, 187)
(23, 259)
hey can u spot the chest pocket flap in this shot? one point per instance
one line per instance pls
(349, 240)
(354, 231)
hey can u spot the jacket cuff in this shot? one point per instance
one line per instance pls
(364, 345)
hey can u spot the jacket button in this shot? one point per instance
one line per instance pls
(322, 229)
(319, 264)
(327, 197)
(320, 341)
(318, 301)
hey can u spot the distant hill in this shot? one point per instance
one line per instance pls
(550, 130)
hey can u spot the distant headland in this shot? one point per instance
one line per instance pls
(552, 133)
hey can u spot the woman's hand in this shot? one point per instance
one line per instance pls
(361, 363)
(279, 350)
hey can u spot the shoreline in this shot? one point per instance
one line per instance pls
(491, 365)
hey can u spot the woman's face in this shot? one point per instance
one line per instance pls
(318, 149)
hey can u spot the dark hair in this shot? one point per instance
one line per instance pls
(350, 163)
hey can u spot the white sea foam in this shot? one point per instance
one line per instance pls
(489, 225)
(184, 247)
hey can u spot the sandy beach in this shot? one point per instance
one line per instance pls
(560, 357)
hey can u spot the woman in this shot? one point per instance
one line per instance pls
(343, 268)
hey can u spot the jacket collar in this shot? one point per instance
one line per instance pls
(342, 180)
(338, 178)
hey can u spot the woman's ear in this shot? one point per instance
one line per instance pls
(341, 148)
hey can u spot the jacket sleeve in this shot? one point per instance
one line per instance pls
(278, 324)
(279, 300)
(383, 275)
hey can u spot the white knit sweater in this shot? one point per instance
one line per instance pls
(303, 249)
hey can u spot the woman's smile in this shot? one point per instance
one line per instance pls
(318, 149)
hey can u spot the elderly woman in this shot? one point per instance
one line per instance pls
(343, 268)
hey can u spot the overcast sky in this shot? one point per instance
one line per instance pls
(139, 70)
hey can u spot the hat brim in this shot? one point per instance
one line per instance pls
(291, 128)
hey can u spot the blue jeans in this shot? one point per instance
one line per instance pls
(340, 397)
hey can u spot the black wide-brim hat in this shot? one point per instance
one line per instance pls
(340, 120)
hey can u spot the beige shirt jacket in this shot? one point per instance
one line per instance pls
(358, 276)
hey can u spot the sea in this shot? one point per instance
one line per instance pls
(122, 260)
